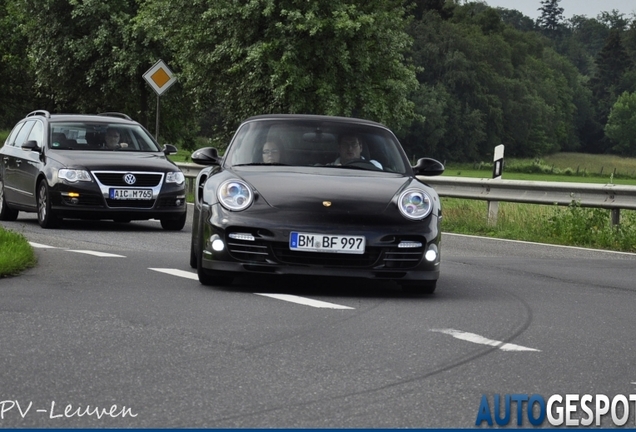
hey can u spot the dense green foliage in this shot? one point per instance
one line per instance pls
(453, 78)
(621, 124)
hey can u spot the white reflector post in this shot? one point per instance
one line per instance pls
(497, 170)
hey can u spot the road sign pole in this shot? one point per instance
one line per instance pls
(157, 124)
(160, 78)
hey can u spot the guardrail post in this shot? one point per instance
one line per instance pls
(497, 170)
(493, 210)
(616, 216)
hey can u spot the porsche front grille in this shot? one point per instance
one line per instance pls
(262, 251)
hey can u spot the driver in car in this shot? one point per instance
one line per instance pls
(350, 148)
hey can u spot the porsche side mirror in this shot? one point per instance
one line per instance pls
(428, 167)
(31, 146)
(169, 149)
(207, 156)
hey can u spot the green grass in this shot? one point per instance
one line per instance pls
(560, 167)
(572, 225)
(16, 254)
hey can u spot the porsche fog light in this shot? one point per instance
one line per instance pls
(432, 253)
(235, 195)
(415, 204)
(217, 243)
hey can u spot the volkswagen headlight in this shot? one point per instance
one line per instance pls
(74, 175)
(175, 177)
(415, 204)
(235, 195)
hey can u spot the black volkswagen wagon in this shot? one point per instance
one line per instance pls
(103, 166)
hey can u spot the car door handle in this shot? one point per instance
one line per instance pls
(18, 162)
(6, 160)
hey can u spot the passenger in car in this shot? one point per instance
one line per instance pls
(272, 152)
(350, 148)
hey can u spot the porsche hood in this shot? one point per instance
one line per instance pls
(342, 190)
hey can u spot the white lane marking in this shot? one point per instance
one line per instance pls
(284, 297)
(540, 244)
(175, 272)
(304, 301)
(97, 254)
(41, 246)
(475, 338)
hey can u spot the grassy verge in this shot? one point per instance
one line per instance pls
(16, 254)
(572, 226)
(560, 167)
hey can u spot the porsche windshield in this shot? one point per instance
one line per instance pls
(316, 143)
(100, 137)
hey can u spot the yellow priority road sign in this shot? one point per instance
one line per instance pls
(160, 77)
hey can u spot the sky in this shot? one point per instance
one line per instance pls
(590, 8)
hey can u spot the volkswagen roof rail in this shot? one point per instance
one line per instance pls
(115, 114)
(39, 112)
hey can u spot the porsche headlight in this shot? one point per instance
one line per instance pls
(415, 204)
(74, 175)
(235, 195)
(175, 177)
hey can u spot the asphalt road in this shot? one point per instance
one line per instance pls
(114, 315)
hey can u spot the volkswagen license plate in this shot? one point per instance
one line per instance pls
(130, 194)
(327, 243)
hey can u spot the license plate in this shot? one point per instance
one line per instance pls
(327, 243)
(130, 194)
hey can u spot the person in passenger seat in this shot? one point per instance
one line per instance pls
(272, 152)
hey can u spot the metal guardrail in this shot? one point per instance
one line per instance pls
(607, 196)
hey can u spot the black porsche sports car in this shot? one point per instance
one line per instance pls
(103, 166)
(316, 195)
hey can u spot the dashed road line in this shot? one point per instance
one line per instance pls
(97, 254)
(41, 246)
(304, 301)
(475, 338)
(284, 297)
(176, 272)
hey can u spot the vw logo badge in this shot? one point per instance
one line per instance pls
(130, 179)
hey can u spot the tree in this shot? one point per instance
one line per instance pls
(612, 64)
(551, 18)
(17, 82)
(621, 125)
(344, 57)
(88, 56)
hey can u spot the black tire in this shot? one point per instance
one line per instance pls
(6, 213)
(193, 256)
(211, 277)
(419, 287)
(46, 217)
(174, 224)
